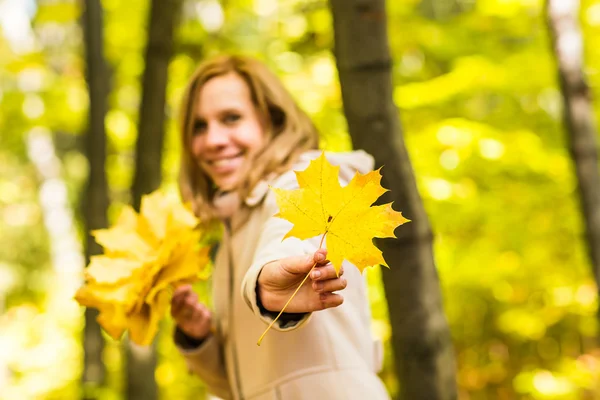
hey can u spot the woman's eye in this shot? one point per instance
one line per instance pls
(231, 118)
(199, 127)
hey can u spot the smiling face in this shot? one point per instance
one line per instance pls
(227, 129)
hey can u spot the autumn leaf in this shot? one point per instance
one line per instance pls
(144, 256)
(345, 215)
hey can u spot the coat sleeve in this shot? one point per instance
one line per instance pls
(271, 248)
(206, 361)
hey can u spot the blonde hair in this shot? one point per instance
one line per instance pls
(289, 131)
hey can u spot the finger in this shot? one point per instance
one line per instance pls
(179, 296)
(329, 300)
(190, 313)
(181, 290)
(195, 315)
(190, 305)
(297, 264)
(203, 308)
(197, 311)
(196, 318)
(330, 285)
(184, 305)
(325, 272)
(320, 257)
(206, 320)
(176, 305)
(191, 301)
(181, 312)
(199, 325)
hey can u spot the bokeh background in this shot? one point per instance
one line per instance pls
(477, 91)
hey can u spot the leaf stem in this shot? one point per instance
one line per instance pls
(291, 297)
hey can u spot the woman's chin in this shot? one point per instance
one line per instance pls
(226, 183)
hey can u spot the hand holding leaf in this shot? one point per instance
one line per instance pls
(279, 279)
(342, 215)
(191, 317)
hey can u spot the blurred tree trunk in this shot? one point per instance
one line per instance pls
(443, 9)
(159, 50)
(567, 43)
(423, 351)
(95, 198)
(141, 384)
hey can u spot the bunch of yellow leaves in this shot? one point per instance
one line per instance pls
(145, 256)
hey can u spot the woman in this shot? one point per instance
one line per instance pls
(241, 132)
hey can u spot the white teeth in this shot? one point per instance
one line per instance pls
(224, 162)
(221, 163)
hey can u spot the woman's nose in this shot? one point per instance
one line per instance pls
(216, 136)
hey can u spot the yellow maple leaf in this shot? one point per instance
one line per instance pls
(143, 325)
(145, 255)
(123, 241)
(345, 215)
(162, 218)
(111, 302)
(111, 270)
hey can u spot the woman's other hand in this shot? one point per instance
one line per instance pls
(279, 279)
(191, 316)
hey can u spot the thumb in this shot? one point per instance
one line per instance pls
(302, 264)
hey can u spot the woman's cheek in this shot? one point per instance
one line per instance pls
(197, 148)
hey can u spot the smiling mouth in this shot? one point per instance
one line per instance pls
(224, 161)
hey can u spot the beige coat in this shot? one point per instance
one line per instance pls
(327, 355)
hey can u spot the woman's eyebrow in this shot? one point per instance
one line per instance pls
(229, 110)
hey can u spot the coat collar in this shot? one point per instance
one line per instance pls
(258, 194)
(230, 210)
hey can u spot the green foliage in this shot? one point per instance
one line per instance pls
(476, 87)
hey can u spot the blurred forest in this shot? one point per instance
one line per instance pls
(477, 89)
